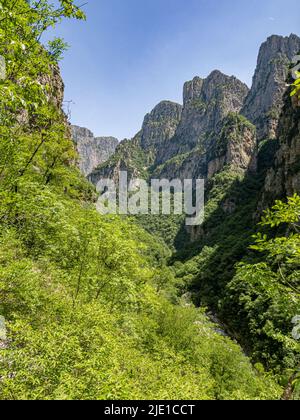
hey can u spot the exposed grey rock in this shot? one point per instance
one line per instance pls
(234, 144)
(192, 89)
(174, 141)
(136, 155)
(190, 165)
(54, 87)
(129, 157)
(264, 102)
(206, 103)
(159, 127)
(93, 151)
(207, 134)
(283, 179)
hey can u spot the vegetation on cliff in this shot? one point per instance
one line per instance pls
(90, 306)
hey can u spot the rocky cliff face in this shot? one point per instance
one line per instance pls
(218, 127)
(175, 138)
(54, 93)
(129, 157)
(264, 102)
(206, 103)
(283, 179)
(93, 151)
(55, 82)
(234, 145)
(159, 128)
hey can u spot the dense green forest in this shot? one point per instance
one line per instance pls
(93, 308)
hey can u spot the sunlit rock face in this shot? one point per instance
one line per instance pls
(219, 125)
(206, 103)
(234, 145)
(283, 178)
(93, 151)
(265, 100)
(160, 126)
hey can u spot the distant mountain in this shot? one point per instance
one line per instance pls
(171, 133)
(246, 145)
(93, 151)
(220, 123)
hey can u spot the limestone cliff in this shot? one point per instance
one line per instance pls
(93, 151)
(264, 101)
(206, 103)
(175, 138)
(159, 127)
(129, 156)
(233, 144)
(218, 127)
(283, 179)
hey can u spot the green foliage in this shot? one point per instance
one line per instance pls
(296, 87)
(90, 304)
(87, 319)
(131, 156)
(56, 47)
(259, 298)
(267, 291)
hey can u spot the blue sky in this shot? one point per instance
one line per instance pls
(131, 54)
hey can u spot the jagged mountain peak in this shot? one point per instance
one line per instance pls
(210, 129)
(218, 84)
(206, 102)
(164, 109)
(79, 132)
(160, 125)
(282, 43)
(192, 89)
(206, 88)
(264, 101)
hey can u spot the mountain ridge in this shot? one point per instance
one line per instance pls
(178, 140)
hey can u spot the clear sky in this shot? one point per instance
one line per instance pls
(131, 54)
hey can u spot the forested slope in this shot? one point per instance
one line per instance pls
(91, 309)
(241, 263)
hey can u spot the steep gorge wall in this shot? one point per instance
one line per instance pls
(283, 179)
(220, 125)
(93, 151)
(265, 100)
(205, 103)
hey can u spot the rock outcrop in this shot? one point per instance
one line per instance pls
(264, 102)
(55, 85)
(175, 138)
(218, 127)
(206, 103)
(283, 179)
(93, 151)
(234, 145)
(159, 128)
(129, 157)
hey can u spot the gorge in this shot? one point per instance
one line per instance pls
(112, 307)
(245, 144)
